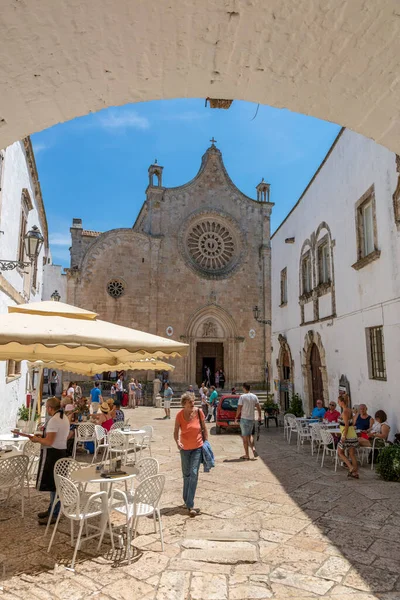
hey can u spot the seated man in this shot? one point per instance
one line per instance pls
(332, 414)
(318, 411)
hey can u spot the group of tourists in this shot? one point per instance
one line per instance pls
(357, 427)
(218, 378)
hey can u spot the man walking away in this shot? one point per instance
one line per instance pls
(213, 401)
(167, 400)
(95, 397)
(120, 390)
(245, 412)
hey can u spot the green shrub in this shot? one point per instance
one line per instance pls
(23, 414)
(296, 406)
(388, 463)
(269, 405)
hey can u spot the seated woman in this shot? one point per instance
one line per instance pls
(379, 431)
(104, 417)
(118, 414)
(332, 414)
(363, 420)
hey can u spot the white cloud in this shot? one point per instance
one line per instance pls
(188, 115)
(39, 147)
(127, 119)
(59, 239)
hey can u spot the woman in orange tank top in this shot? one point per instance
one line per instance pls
(190, 433)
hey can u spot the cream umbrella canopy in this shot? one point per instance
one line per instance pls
(146, 364)
(54, 331)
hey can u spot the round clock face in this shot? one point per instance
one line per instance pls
(252, 333)
(169, 331)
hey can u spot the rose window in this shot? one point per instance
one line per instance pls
(115, 288)
(211, 245)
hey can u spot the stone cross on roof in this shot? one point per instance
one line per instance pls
(213, 141)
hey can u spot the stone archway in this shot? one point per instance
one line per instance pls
(285, 365)
(330, 60)
(211, 332)
(312, 345)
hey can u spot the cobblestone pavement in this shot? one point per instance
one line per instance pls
(276, 527)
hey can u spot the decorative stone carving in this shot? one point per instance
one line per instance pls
(115, 288)
(209, 329)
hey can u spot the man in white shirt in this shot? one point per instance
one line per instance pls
(245, 412)
(120, 390)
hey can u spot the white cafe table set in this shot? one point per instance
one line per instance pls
(8, 439)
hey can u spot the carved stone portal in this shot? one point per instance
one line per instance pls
(209, 329)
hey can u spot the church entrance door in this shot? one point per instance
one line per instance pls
(316, 377)
(211, 355)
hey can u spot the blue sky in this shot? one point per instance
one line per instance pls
(95, 167)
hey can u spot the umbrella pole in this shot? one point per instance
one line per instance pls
(36, 399)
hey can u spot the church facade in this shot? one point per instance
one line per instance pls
(193, 267)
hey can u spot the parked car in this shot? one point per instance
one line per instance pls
(226, 412)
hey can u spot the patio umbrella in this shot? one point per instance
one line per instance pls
(145, 364)
(55, 331)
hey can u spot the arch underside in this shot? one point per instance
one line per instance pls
(335, 60)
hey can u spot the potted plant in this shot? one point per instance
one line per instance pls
(388, 463)
(23, 418)
(296, 406)
(270, 406)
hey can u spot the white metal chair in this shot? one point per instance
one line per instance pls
(118, 425)
(328, 447)
(366, 450)
(63, 467)
(32, 451)
(316, 439)
(118, 444)
(84, 433)
(13, 472)
(81, 506)
(143, 502)
(141, 443)
(286, 425)
(292, 426)
(101, 441)
(303, 434)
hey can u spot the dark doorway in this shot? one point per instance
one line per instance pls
(316, 377)
(209, 354)
(285, 380)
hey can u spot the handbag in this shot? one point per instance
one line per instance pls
(201, 425)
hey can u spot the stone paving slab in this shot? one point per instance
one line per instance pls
(277, 527)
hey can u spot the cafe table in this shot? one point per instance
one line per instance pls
(8, 438)
(338, 431)
(91, 475)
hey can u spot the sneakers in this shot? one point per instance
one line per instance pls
(44, 514)
(192, 512)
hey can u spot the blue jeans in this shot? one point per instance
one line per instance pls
(57, 506)
(190, 460)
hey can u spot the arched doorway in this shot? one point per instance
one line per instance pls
(285, 370)
(317, 386)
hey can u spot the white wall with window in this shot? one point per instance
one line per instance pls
(343, 277)
(21, 207)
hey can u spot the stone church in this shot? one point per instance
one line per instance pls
(193, 267)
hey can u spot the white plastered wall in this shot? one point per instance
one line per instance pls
(364, 298)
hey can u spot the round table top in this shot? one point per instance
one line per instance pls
(9, 454)
(340, 431)
(8, 437)
(90, 475)
(132, 431)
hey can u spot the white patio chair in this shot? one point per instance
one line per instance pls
(147, 467)
(286, 425)
(32, 451)
(141, 443)
(292, 426)
(101, 441)
(118, 445)
(81, 506)
(316, 439)
(327, 440)
(303, 434)
(84, 433)
(63, 467)
(117, 425)
(364, 451)
(143, 502)
(13, 472)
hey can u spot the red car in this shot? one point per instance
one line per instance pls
(226, 412)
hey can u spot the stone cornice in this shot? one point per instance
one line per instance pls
(30, 157)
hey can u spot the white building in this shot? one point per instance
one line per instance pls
(336, 282)
(21, 207)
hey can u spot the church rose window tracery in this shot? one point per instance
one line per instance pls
(211, 245)
(115, 288)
